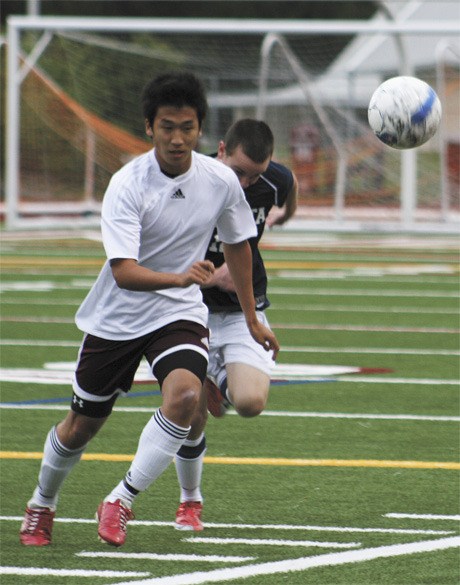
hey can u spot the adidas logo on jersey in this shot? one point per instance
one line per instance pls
(178, 195)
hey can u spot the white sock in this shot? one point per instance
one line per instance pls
(159, 442)
(56, 464)
(189, 468)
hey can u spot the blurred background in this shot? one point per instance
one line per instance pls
(72, 116)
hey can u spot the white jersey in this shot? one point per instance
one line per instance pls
(165, 224)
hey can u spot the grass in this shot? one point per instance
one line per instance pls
(328, 476)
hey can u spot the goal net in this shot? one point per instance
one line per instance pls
(74, 114)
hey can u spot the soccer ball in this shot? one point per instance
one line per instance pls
(404, 112)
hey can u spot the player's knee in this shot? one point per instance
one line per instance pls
(187, 399)
(250, 406)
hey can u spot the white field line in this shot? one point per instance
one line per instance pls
(276, 413)
(338, 529)
(287, 326)
(45, 302)
(84, 272)
(365, 276)
(274, 307)
(302, 564)
(421, 381)
(344, 415)
(272, 542)
(369, 328)
(61, 373)
(44, 285)
(36, 572)
(355, 276)
(363, 350)
(287, 348)
(363, 293)
(356, 309)
(38, 319)
(165, 557)
(455, 517)
(48, 285)
(40, 343)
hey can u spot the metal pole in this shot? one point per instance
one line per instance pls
(33, 7)
(12, 129)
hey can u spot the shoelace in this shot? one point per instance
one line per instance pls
(123, 518)
(124, 514)
(188, 506)
(32, 521)
(35, 520)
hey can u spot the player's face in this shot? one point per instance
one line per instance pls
(247, 171)
(175, 134)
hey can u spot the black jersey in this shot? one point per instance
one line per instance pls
(270, 189)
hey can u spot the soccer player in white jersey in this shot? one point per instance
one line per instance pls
(238, 365)
(158, 214)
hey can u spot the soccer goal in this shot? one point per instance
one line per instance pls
(74, 115)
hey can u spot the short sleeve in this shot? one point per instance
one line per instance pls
(120, 223)
(236, 223)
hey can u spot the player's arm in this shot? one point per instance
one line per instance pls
(239, 261)
(278, 216)
(129, 275)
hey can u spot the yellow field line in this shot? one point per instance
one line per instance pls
(263, 461)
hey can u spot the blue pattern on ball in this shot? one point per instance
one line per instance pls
(425, 108)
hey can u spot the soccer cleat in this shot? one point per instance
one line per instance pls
(112, 518)
(188, 516)
(217, 405)
(36, 527)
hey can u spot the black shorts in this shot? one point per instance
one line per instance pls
(106, 368)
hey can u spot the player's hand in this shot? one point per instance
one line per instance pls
(222, 279)
(265, 337)
(275, 217)
(199, 273)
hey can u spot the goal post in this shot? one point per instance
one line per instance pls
(73, 111)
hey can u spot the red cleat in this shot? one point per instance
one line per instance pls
(188, 516)
(112, 518)
(217, 405)
(37, 527)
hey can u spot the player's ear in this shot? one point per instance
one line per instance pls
(221, 150)
(148, 128)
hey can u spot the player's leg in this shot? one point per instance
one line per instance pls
(245, 380)
(160, 440)
(180, 367)
(247, 388)
(95, 390)
(215, 385)
(189, 468)
(64, 446)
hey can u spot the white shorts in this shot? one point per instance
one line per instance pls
(231, 342)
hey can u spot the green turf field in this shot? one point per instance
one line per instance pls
(350, 477)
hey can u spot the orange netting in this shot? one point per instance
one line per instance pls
(110, 145)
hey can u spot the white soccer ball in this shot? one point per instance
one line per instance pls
(404, 112)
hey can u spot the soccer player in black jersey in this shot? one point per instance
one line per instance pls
(238, 371)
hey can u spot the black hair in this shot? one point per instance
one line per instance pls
(177, 89)
(254, 137)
